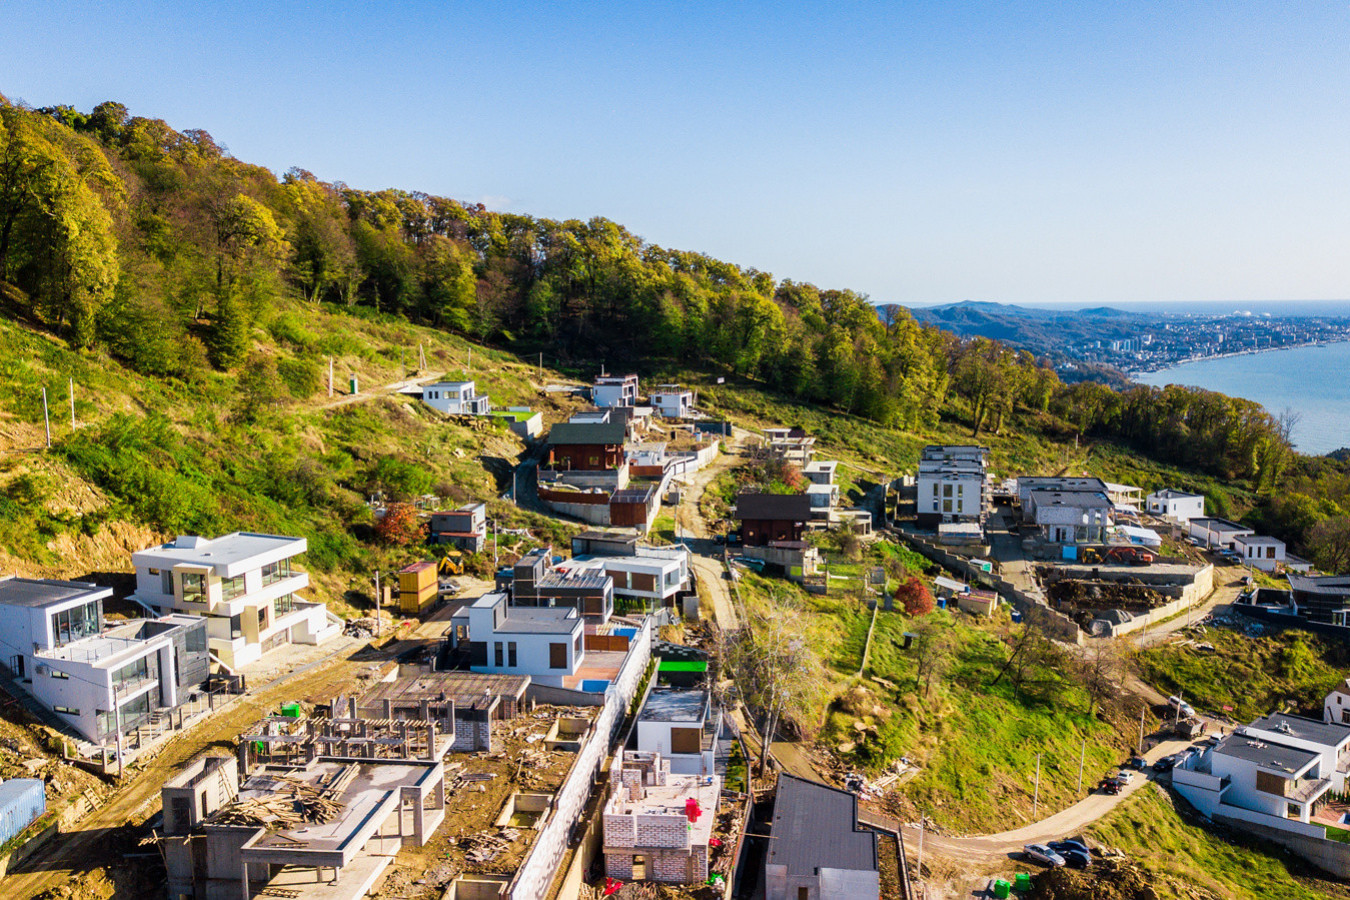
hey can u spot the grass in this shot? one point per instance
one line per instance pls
(1184, 857)
(1253, 675)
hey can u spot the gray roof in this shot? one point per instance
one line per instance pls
(1333, 585)
(1266, 754)
(570, 433)
(788, 507)
(1219, 526)
(816, 827)
(39, 592)
(674, 705)
(1172, 494)
(1086, 499)
(544, 620)
(1327, 734)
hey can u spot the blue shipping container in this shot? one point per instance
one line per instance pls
(21, 801)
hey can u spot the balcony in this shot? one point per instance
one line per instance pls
(1309, 790)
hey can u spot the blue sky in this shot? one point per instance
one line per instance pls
(916, 152)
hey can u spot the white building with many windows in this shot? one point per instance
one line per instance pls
(244, 584)
(953, 485)
(546, 643)
(1176, 505)
(96, 679)
(456, 398)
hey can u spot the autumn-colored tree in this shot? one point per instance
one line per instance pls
(400, 525)
(915, 597)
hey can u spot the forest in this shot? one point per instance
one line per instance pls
(158, 247)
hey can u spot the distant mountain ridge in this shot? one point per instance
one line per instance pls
(1030, 328)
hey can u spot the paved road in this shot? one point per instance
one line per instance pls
(990, 848)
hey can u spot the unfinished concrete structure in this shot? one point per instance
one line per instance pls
(321, 825)
(657, 825)
(470, 700)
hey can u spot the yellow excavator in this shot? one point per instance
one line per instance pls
(452, 563)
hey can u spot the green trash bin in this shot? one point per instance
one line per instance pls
(1021, 882)
(291, 710)
(1001, 888)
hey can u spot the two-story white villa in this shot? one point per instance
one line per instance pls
(615, 390)
(546, 643)
(682, 725)
(952, 485)
(673, 401)
(456, 398)
(1274, 772)
(97, 680)
(1176, 505)
(1260, 551)
(244, 584)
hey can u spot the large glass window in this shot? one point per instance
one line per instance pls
(236, 627)
(194, 588)
(132, 673)
(196, 639)
(165, 581)
(262, 617)
(231, 587)
(283, 605)
(79, 622)
(277, 571)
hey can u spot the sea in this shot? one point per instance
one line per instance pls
(1309, 381)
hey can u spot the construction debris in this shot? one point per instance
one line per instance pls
(293, 803)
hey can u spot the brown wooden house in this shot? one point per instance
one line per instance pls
(586, 447)
(772, 517)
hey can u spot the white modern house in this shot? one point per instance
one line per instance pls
(952, 485)
(546, 643)
(456, 398)
(1274, 773)
(673, 401)
(821, 471)
(1029, 484)
(823, 498)
(99, 680)
(1218, 534)
(1071, 517)
(682, 725)
(615, 390)
(1336, 706)
(1178, 506)
(657, 574)
(1259, 551)
(244, 584)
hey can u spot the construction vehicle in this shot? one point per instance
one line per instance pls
(1130, 555)
(452, 563)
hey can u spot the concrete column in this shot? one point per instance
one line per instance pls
(431, 740)
(388, 709)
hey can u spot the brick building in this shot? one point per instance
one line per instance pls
(657, 825)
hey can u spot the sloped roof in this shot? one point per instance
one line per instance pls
(783, 507)
(816, 827)
(571, 433)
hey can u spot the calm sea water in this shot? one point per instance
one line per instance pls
(1311, 381)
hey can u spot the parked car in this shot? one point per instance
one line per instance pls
(1137, 762)
(1178, 704)
(1042, 854)
(1109, 786)
(1076, 856)
(1125, 776)
(1164, 765)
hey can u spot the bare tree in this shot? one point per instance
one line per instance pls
(934, 651)
(1102, 669)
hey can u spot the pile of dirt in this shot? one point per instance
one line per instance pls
(1131, 596)
(1111, 878)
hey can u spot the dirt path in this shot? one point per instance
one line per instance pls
(92, 845)
(381, 391)
(707, 555)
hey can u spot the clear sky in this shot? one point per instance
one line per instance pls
(917, 152)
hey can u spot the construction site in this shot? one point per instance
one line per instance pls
(1117, 596)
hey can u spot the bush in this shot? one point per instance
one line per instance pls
(303, 377)
(915, 597)
(400, 526)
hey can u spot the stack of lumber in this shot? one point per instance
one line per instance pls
(293, 804)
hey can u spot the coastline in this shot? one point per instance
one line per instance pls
(1147, 370)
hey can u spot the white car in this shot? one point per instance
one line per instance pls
(1125, 776)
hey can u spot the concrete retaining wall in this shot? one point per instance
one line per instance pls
(535, 876)
(1329, 856)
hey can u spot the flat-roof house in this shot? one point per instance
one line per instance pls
(546, 643)
(1322, 598)
(821, 471)
(1259, 551)
(99, 680)
(244, 584)
(586, 447)
(657, 574)
(1027, 484)
(1071, 517)
(465, 528)
(615, 390)
(1217, 534)
(682, 725)
(952, 485)
(535, 582)
(1176, 505)
(1336, 705)
(772, 517)
(456, 398)
(673, 401)
(791, 444)
(1273, 772)
(818, 850)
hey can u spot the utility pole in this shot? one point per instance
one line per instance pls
(1140, 751)
(117, 718)
(1180, 700)
(72, 404)
(46, 419)
(402, 366)
(1082, 757)
(330, 378)
(919, 868)
(378, 603)
(1036, 797)
(541, 366)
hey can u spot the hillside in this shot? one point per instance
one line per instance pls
(1041, 331)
